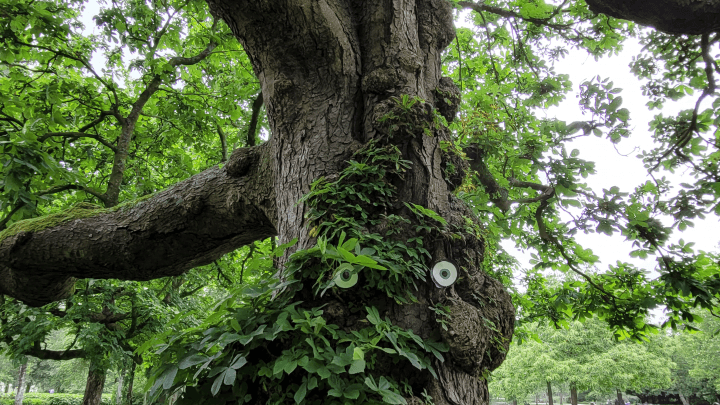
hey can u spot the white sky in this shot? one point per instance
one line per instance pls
(613, 169)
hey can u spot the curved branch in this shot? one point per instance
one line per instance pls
(673, 16)
(190, 224)
(252, 129)
(480, 7)
(685, 137)
(78, 187)
(44, 354)
(128, 124)
(76, 135)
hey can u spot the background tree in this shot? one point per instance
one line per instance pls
(586, 357)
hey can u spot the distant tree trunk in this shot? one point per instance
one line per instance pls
(514, 402)
(573, 394)
(20, 384)
(27, 387)
(129, 383)
(683, 399)
(619, 400)
(95, 384)
(561, 395)
(549, 393)
(118, 390)
(536, 398)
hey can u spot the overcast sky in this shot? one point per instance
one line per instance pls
(613, 169)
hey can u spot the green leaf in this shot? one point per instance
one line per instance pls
(191, 361)
(168, 377)
(357, 366)
(300, 393)
(216, 385)
(230, 375)
(352, 391)
(358, 354)
(614, 105)
(239, 362)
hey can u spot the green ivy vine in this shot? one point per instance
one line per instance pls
(275, 342)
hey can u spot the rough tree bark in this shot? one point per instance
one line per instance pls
(673, 16)
(94, 385)
(20, 385)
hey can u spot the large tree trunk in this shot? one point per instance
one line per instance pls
(95, 384)
(20, 385)
(331, 71)
(573, 394)
(329, 74)
(619, 400)
(549, 393)
(129, 384)
(118, 388)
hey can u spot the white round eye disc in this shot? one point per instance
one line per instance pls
(346, 279)
(444, 273)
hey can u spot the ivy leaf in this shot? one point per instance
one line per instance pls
(357, 366)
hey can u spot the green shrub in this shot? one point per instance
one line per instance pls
(43, 398)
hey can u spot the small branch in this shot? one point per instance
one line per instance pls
(223, 142)
(686, 135)
(249, 255)
(78, 187)
(570, 262)
(3, 223)
(193, 291)
(479, 8)
(252, 128)
(75, 135)
(220, 273)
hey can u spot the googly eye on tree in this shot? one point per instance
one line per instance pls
(444, 273)
(346, 278)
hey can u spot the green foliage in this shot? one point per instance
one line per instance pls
(585, 355)
(36, 398)
(268, 342)
(531, 185)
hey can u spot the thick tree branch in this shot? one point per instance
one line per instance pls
(43, 354)
(188, 225)
(673, 16)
